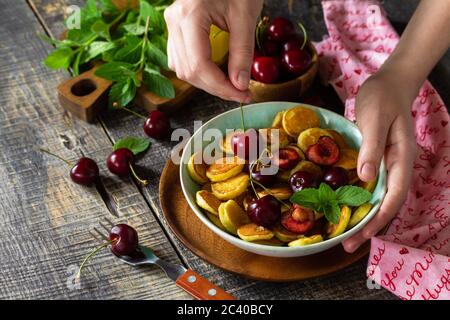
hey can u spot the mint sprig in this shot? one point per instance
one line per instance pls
(132, 42)
(134, 144)
(327, 201)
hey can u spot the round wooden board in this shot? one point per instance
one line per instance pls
(198, 238)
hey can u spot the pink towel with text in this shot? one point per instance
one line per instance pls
(412, 259)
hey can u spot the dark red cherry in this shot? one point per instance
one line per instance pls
(265, 211)
(119, 161)
(245, 145)
(85, 172)
(303, 179)
(124, 239)
(295, 41)
(157, 125)
(325, 152)
(296, 61)
(298, 220)
(265, 179)
(266, 69)
(280, 29)
(335, 177)
(286, 158)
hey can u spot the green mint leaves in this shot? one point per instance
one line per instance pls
(132, 42)
(326, 200)
(134, 144)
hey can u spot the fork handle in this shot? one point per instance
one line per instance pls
(200, 288)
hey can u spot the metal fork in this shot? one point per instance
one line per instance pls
(190, 281)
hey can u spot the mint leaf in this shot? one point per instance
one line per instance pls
(134, 28)
(115, 71)
(101, 28)
(158, 84)
(60, 58)
(121, 94)
(130, 53)
(157, 21)
(308, 198)
(326, 194)
(332, 211)
(96, 48)
(352, 196)
(156, 56)
(134, 144)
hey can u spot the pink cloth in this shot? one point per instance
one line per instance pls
(412, 259)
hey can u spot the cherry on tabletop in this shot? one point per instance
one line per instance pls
(265, 211)
(124, 239)
(335, 177)
(296, 61)
(85, 172)
(303, 179)
(119, 161)
(157, 125)
(266, 69)
(280, 29)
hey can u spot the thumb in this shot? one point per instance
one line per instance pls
(242, 41)
(374, 132)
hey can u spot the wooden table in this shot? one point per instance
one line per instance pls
(46, 219)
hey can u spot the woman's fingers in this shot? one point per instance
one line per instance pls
(374, 129)
(242, 37)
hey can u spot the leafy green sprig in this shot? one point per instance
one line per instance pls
(327, 201)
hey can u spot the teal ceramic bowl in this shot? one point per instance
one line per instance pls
(260, 116)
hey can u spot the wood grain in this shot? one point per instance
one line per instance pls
(46, 218)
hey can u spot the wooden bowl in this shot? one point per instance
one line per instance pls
(290, 90)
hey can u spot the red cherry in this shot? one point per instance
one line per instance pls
(264, 211)
(157, 125)
(298, 220)
(265, 179)
(295, 41)
(124, 239)
(303, 179)
(325, 152)
(266, 69)
(286, 158)
(335, 177)
(296, 61)
(270, 47)
(85, 172)
(119, 161)
(280, 29)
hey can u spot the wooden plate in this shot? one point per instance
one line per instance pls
(198, 238)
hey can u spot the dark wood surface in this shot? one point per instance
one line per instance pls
(46, 219)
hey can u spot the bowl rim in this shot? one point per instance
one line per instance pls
(280, 249)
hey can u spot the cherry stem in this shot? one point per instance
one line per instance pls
(56, 156)
(242, 117)
(252, 181)
(259, 30)
(305, 35)
(134, 113)
(93, 252)
(144, 182)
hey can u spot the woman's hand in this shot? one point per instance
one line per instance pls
(383, 114)
(189, 49)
